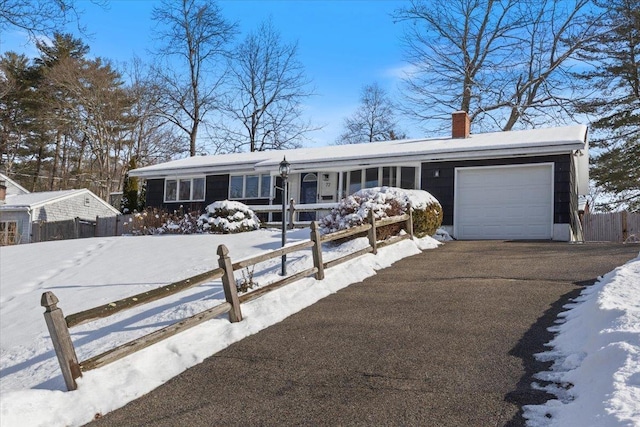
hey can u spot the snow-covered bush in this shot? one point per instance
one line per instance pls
(158, 221)
(385, 202)
(145, 222)
(181, 224)
(228, 217)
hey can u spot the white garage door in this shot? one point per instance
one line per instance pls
(508, 202)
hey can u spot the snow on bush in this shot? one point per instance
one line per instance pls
(385, 202)
(158, 221)
(228, 217)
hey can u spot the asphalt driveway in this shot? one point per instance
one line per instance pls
(443, 338)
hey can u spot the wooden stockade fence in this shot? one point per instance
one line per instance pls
(77, 228)
(58, 325)
(612, 227)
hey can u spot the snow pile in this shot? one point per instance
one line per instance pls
(229, 217)
(85, 273)
(596, 357)
(441, 235)
(383, 201)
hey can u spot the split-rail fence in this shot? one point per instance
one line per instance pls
(58, 325)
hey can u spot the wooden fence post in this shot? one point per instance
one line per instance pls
(292, 212)
(62, 343)
(229, 284)
(373, 239)
(625, 230)
(316, 250)
(410, 223)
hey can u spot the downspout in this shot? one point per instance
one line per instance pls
(30, 226)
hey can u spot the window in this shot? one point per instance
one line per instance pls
(355, 181)
(265, 186)
(171, 190)
(388, 176)
(408, 178)
(184, 189)
(250, 186)
(371, 178)
(198, 189)
(236, 187)
(8, 233)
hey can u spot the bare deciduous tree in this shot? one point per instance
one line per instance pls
(268, 86)
(153, 137)
(505, 62)
(374, 120)
(195, 36)
(40, 17)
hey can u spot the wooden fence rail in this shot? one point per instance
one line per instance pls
(58, 325)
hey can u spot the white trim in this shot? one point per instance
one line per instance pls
(456, 193)
(244, 185)
(5, 232)
(4, 177)
(177, 180)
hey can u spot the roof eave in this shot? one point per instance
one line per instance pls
(193, 170)
(419, 157)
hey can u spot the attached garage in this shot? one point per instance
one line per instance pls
(504, 202)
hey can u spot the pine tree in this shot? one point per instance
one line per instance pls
(616, 105)
(130, 189)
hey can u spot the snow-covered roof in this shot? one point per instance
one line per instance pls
(38, 199)
(12, 186)
(546, 141)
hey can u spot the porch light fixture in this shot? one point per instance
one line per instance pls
(284, 169)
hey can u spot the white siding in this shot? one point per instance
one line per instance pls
(22, 219)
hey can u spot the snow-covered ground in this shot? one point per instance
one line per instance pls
(596, 357)
(89, 272)
(597, 348)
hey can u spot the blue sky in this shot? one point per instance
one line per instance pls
(342, 44)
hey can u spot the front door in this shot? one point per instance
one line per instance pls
(308, 194)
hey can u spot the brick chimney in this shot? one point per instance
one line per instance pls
(3, 192)
(460, 125)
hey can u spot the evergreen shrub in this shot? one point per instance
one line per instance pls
(228, 217)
